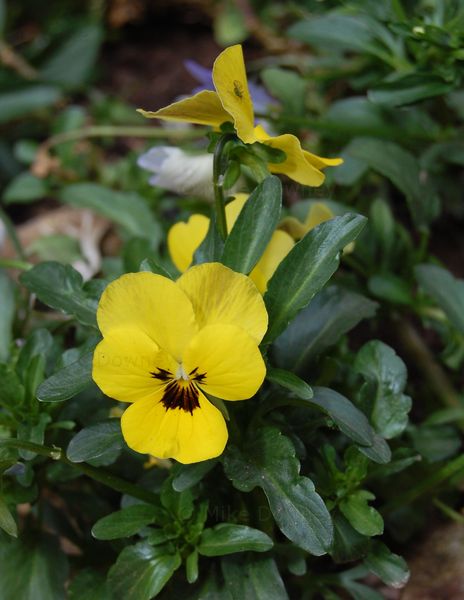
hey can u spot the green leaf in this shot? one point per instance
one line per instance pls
(228, 538)
(253, 578)
(212, 247)
(39, 343)
(385, 375)
(350, 171)
(348, 544)
(391, 288)
(142, 571)
(72, 63)
(7, 522)
(230, 26)
(152, 266)
(61, 287)
(382, 223)
(291, 382)
(51, 246)
(24, 188)
(191, 567)
(435, 443)
(306, 269)
(68, 381)
(134, 252)
(379, 452)
(23, 101)
(409, 89)
(89, 584)
(268, 460)
(7, 313)
(254, 227)
(358, 591)
(358, 33)
(333, 312)
(101, 440)
(288, 87)
(349, 419)
(33, 569)
(11, 389)
(402, 169)
(179, 504)
(127, 209)
(364, 518)
(355, 116)
(389, 567)
(189, 475)
(445, 289)
(33, 431)
(125, 522)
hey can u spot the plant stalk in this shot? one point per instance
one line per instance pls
(11, 263)
(112, 481)
(427, 485)
(433, 373)
(219, 202)
(121, 131)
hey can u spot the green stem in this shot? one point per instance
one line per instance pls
(10, 263)
(423, 359)
(121, 131)
(423, 245)
(100, 475)
(426, 486)
(219, 201)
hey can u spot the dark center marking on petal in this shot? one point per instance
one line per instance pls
(200, 377)
(181, 394)
(162, 374)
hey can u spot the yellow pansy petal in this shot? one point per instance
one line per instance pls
(230, 81)
(293, 227)
(295, 166)
(152, 304)
(227, 362)
(279, 246)
(184, 239)
(123, 363)
(318, 213)
(320, 162)
(301, 165)
(204, 108)
(219, 295)
(234, 208)
(148, 427)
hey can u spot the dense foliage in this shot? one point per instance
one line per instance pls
(353, 443)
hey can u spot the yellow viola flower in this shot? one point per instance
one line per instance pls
(318, 213)
(232, 102)
(167, 344)
(184, 239)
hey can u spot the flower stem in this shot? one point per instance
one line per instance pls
(11, 263)
(427, 486)
(219, 201)
(100, 475)
(432, 372)
(121, 131)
